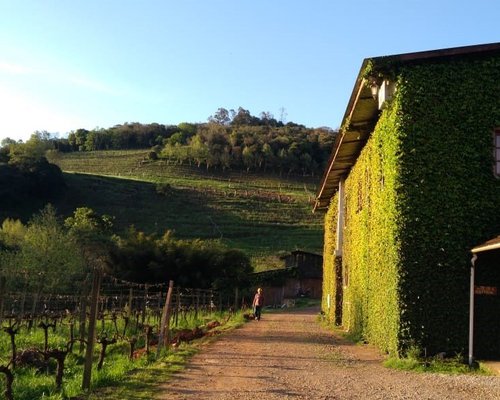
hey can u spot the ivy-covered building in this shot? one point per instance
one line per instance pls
(412, 185)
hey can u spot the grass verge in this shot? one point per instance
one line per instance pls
(452, 366)
(413, 361)
(145, 382)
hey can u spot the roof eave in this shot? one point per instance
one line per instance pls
(352, 130)
(324, 196)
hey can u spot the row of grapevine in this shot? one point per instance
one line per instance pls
(41, 331)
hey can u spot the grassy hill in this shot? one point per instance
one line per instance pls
(260, 214)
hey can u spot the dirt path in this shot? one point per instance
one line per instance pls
(289, 356)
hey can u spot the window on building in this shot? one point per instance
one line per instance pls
(497, 152)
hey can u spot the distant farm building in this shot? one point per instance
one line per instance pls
(301, 277)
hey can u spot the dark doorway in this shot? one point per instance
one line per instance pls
(487, 305)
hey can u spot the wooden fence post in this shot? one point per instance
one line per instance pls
(236, 290)
(89, 351)
(165, 319)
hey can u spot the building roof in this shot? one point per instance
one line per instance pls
(493, 244)
(362, 114)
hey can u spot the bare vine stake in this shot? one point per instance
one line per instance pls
(114, 318)
(178, 308)
(197, 306)
(126, 320)
(148, 332)
(104, 342)
(45, 326)
(103, 322)
(132, 341)
(23, 301)
(83, 316)
(71, 334)
(12, 332)
(130, 299)
(144, 304)
(158, 311)
(165, 319)
(89, 351)
(60, 357)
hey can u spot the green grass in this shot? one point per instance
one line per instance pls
(260, 214)
(452, 366)
(413, 361)
(143, 382)
(118, 377)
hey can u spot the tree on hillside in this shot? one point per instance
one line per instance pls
(41, 250)
(248, 156)
(92, 233)
(215, 138)
(26, 155)
(85, 222)
(199, 150)
(268, 156)
(243, 117)
(221, 117)
(12, 233)
(77, 139)
(7, 142)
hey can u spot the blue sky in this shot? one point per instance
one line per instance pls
(75, 64)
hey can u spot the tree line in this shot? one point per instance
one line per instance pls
(229, 140)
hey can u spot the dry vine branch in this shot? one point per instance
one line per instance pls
(12, 332)
(9, 380)
(104, 342)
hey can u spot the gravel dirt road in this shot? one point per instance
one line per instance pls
(288, 355)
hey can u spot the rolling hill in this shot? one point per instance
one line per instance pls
(262, 214)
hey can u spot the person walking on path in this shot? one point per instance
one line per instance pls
(258, 302)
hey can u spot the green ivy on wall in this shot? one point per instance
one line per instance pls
(329, 282)
(370, 253)
(449, 198)
(420, 196)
